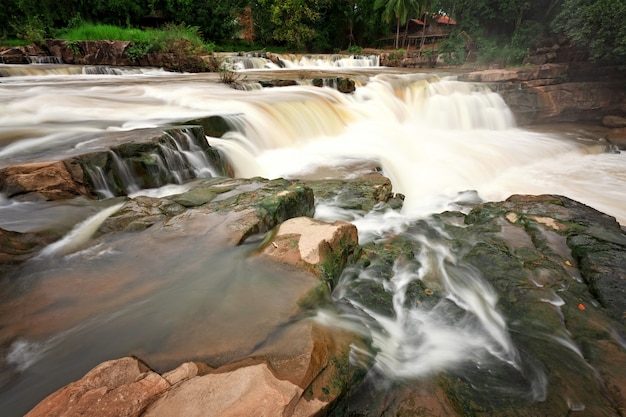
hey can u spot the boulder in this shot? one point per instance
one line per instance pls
(13, 55)
(17, 247)
(618, 137)
(250, 390)
(47, 180)
(117, 388)
(614, 121)
(313, 245)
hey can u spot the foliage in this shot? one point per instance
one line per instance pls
(453, 49)
(504, 29)
(597, 25)
(294, 21)
(354, 49)
(491, 51)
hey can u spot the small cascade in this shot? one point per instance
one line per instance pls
(41, 70)
(256, 61)
(245, 62)
(125, 173)
(80, 234)
(187, 159)
(44, 59)
(420, 333)
(109, 70)
(177, 158)
(101, 185)
(330, 61)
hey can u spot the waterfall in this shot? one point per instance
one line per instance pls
(255, 61)
(176, 160)
(44, 60)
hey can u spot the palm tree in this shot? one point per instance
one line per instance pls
(398, 9)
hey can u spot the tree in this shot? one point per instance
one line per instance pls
(398, 10)
(597, 25)
(293, 21)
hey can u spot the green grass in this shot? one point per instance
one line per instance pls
(91, 32)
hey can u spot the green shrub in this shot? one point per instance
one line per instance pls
(354, 49)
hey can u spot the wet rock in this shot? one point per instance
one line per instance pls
(550, 93)
(115, 164)
(317, 246)
(122, 387)
(361, 194)
(43, 180)
(16, 247)
(614, 121)
(617, 137)
(554, 265)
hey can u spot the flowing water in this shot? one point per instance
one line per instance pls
(171, 298)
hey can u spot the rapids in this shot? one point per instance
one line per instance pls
(436, 138)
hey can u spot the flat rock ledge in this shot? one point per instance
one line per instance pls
(128, 387)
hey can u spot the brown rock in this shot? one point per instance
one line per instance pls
(248, 391)
(311, 244)
(614, 121)
(618, 137)
(187, 371)
(16, 246)
(51, 180)
(122, 387)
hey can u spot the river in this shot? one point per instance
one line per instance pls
(436, 138)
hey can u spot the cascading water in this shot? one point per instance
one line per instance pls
(437, 139)
(254, 61)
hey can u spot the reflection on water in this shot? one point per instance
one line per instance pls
(169, 297)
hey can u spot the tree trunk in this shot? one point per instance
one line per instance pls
(397, 32)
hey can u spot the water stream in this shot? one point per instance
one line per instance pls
(171, 298)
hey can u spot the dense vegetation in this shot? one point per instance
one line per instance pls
(504, 30)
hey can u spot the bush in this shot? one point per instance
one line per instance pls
(493, 52)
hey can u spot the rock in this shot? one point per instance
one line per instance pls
(536, 72)
(361, 194)
(246, 391)
(614, 121)
(618, 137)
(114, 164)
(560, 102)
(17, 247)
(122, 387)
(186, 371)
(313, 245)
(13, 55)
(48, 180)
(555, 267)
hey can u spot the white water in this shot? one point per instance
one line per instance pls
(434, 138)
(78, 236)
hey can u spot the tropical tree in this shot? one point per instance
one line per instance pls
(398, 10)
